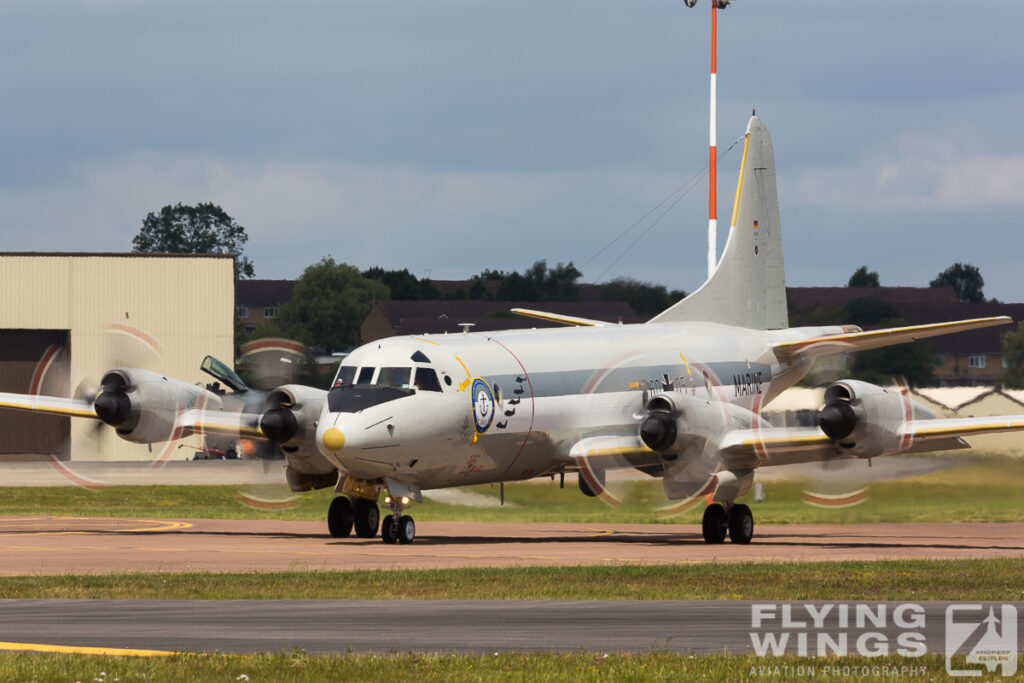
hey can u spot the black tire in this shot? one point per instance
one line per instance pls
(585, 488)
(741, 524)
(367, 518)
(714, 524)
(406, 530)
(339, 517)
(388, 530)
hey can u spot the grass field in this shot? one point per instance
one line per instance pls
(981, 490)
(990, 579)
(297, 666)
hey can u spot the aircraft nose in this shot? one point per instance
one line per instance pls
(333, 439)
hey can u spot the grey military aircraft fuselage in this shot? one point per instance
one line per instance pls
(453, 410)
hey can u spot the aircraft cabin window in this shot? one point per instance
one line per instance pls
(426, 380)
(365, 376)
(395, 377)
(346, 375)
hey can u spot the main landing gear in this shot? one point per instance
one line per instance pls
(738, 522)
(363, 516)
(344, 515)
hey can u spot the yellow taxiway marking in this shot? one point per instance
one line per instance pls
(601, 532)
(160, 525)
(82, 650)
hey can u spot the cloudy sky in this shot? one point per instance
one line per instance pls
(448, 136)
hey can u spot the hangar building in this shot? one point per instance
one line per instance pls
(65, 319)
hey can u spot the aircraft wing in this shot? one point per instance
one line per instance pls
(49, 405)
(558, 318)
(785, 446)
(862, 341)
(612, 452)
(219, 422)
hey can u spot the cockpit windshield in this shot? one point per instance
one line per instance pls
(355, 397)
(394, 377)
(346, 375)
(218, 370)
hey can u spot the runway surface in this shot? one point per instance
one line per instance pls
(477, 626)
(81, 545)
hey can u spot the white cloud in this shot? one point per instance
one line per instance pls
(453, 222)
(918, 175)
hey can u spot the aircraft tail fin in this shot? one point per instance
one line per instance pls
(748, 287)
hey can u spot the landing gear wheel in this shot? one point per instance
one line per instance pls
(367, 518)
(406, 530)
(339, 517)
(741, 524)
(586, 488)
(714, 524)
(388, 530)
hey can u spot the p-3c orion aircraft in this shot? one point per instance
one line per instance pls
(678, 397)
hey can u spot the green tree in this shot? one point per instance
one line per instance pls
(329, 304)
(646, 299)
(1013, 354)
(862, 277)
(915, 361)
(537, 283)
(404, 285)
(201, 229)
(965, 280)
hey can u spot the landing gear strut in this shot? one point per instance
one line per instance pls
(396, 526)
(738, 523)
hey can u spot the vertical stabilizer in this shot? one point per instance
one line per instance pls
(748, 287)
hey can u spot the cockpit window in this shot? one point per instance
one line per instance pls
(395, 377)
(426, 380)
(356, 397)
(222, 372)
(420, 357)
(346, 375)
(365, 376)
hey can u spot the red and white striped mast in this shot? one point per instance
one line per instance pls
(713, 138)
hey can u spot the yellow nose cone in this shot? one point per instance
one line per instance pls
(334, 439)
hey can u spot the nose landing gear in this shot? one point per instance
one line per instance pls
(396, 526)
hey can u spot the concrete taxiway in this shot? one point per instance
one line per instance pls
(460, 626)
(63, 544)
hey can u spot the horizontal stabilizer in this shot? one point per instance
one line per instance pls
(558, 318)
(874, 339)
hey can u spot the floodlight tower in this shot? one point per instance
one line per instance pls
(713, 137)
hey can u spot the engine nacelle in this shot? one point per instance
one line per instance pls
(289, 419)
(143, 406)
(865, 420)
(679, 423)
(291, 414)
(685, 431)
